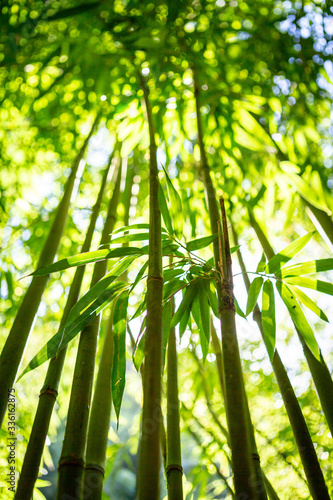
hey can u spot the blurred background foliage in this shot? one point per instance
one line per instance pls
(265, 74)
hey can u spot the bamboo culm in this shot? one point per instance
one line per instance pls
(15, 344)
(101, 406)
(49, 391)
(71, 463)
(313, 472)
(149, 452)
(239, 430)
(319, 371)
(174, 470)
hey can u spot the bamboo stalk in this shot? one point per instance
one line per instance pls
(313, 472)
(174, 470)
(320, 373)
(101, 407)
(149, 453)
(239, 430)
(71, 463)
(14, 347)
(49, 391)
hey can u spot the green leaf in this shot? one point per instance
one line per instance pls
(133, 227)
(70, 330)
(169, 274)
(281, 258)
(261, 264)
(305, 300)
(87, 258)
(172, 287)
(164, 210)
(139, 275)
(176, 206)
(212, 297)
(306, 191)
(253, 294)
(204, 309)
(310, 267)
(139, 350)
(166, 317)
(200, 242)
(184, 322)
(298, 317)
(196, 313)
(190, 292)
(238, 309)
(119, 352)
(321, 286)
(268, 317)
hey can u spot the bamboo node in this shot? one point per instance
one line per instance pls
(156, 278)
(173, 467)
(95, 467)
(71, 461)
(50, 391)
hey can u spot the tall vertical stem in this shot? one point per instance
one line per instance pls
(49, 391)
(313, 472)
(13, 349)
(149, 454)
(174, 471)
(234, 385)
(72, 456)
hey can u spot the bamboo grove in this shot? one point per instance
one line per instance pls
(166, 263)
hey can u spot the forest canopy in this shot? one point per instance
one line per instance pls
(166, 258)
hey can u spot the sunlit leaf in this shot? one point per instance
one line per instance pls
(253, 294)
(281, 258)
(268, 317)
(119, 352)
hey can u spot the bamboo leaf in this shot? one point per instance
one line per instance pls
(190, 292)
(70, 330)
(139, 349)
(321, 286)
(166, 317)
(176, 206)
(164, 210)
(169, 274)
(119, 353)
(139, 275)
(200, 242)
(310, 267)
(184, 322)
(87, 258)
(204, 310)
(172, 287)
(133, 227)
(261, 264)
(212, 298)
(305, 300)
(268, 317)
(298, 317)
(196, 313)
(281, 258)
(238, 309)
(253, 294)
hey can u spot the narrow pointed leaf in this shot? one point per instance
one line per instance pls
(212, 298)
(200, 242)
(306, 301)
(189, 295)
(311, 267)
(166, 316)
(69, 331)
(196, 313)
(298, 317)
(261, 264)
(268, 317)
(320, 286)
(119, 354)
(281, 258)
(133, 227)
(253, 294)
(164, 210)
(172, 287)
(87, 258)
(176, 206)
(238, 309)
(139, 276)
(139, 350)
(184, 322)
